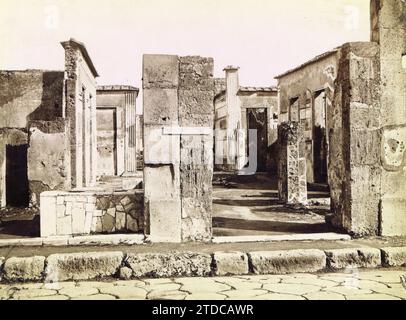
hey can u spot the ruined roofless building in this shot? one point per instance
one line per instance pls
(237, 110)
(351, 102)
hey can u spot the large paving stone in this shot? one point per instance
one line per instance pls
(82, 266)
(230, 263)
(24, 268)
(290, 261)
(169, 264)
(354, 257)
(394, 256)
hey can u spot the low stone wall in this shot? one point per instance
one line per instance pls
(99, 265)
(77, 213)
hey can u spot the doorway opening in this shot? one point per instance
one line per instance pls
(17, 194)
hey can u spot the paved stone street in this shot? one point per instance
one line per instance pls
(351, 284)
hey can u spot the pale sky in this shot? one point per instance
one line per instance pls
(263, 37)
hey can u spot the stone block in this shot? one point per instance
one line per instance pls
(125, 273)
(48, 214)
(394, 256)
(393, 216)
(88, 222)
(82, 266)
(160, 71)
(169, 264)
(160, 148)
(198, 102)
(24, 268)
(230, 263)
(120, 221)
(78, 220)
(353, 258)
(132, 224)
(161, 106)
(164, 178)
(165, 220)
(64, 226)
(289, 261)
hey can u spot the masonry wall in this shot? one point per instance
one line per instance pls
(48, 157)
(81, 110)
(354, 164)
(303, 84)
(30, 95)
(178, 95)
(388, 28)
(66, 213)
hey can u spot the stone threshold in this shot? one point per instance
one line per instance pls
(283, 237)
(91, 240)
(126, 265)
(132, 239)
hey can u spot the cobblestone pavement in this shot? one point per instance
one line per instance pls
(351, 284)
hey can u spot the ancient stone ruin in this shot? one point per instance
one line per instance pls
(79, 156)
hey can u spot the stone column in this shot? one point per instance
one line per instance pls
(292, 187)
(130, 126)
(178, 147)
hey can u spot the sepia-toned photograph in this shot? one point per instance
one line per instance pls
(218, 151)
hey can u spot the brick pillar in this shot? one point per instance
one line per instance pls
(178, 155)
(292, 187)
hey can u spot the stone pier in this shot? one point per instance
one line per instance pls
(178, 147)
(292, 187)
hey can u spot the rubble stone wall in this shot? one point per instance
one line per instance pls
(81, 213)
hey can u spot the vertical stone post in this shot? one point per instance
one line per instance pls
(354, 164)
(196, 115)
(388, 24)
(178, 147)
(162, 200)
(292, 187)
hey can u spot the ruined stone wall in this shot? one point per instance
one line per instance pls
(30, 95)
(14, 137)
(81, 111)
(388, 24)
(178, 159)
(68, 213)
(48, 157)
(354, 164)
(303, 84)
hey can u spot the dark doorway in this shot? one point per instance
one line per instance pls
(320, 138)
(16, 176)
(257, 119)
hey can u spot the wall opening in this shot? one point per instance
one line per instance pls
(16, 176)
(257, 120)
(320, 138)
(106, 142)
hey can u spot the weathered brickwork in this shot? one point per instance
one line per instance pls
(291, 163)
